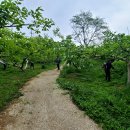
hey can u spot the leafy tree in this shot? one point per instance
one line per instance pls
(13, 15)
(15, 47)
(116, 46)
(68, 46)
(86, 29)
(123, 51)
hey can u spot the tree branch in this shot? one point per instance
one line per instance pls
(9, 26)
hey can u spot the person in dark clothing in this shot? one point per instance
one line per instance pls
(58, 61)
(107, 67)
(31, 65)
(43, 65)
(5, 66)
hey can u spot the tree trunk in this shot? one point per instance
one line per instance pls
(26, 65)
(4, 64)
(84, 37)
(128, 75)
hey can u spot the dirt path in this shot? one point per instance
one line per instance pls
(45, 107)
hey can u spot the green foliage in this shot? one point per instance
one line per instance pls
(115, 46)
(120, 70)
(14, 46)
(105, 102)
(12, 14)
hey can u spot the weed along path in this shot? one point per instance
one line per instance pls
(44, 106)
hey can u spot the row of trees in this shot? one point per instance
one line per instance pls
(96, 42)
(95, 38)
(114, 47)
(15, 46)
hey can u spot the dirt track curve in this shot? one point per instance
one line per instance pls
(44, 107)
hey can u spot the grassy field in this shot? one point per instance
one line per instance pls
(12, 80)
(107, 103)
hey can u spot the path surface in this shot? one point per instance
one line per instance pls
(45, 107)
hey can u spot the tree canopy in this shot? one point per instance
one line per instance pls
(12, 14)
(87, 29)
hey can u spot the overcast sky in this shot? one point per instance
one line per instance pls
(115, 12)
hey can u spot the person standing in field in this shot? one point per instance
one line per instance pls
(58, 61)
(107, 67)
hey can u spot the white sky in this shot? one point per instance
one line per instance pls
(115, 12)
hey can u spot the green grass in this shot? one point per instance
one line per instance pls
(12, 80)
(108, 103)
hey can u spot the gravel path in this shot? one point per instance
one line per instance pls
(45, 107)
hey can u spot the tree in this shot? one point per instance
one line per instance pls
(124, 51)
(16, 49)
(12, 14)
(117, 46)
(86, 29)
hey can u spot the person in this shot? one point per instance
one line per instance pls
(5, 66)
(107, 67)
(43, 65)
(58, 61)
(31, 65)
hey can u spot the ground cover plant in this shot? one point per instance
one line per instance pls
(107, 103)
